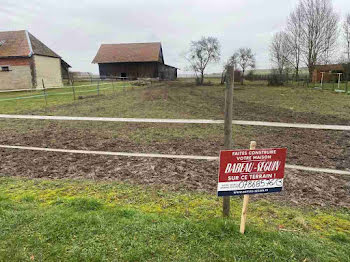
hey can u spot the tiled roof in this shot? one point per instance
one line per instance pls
(22, 43)
(134, 52)
(39, 48)
(14, 43)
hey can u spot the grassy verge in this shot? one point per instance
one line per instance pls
(29, 101)
(87, 221)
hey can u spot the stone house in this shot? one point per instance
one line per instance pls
(25, 61)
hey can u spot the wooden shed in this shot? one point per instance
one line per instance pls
(133, 60)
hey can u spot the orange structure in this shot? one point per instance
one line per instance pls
(330, 72)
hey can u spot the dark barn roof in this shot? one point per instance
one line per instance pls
(65, 64)
(22, 44)
(329, 67)
(133, 52)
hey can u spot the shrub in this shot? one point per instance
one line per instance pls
(275, 80)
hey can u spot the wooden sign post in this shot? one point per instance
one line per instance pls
(246, 199)
(228, 127)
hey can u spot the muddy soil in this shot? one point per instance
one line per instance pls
(306, 147)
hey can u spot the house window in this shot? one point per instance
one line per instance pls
(5, 68)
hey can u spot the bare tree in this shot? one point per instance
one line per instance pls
(232, 61)
(293, 40)
(201, 53)
(244, 58)
(279, 52)
(319, 31)
(346, 28)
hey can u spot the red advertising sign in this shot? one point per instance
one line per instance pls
(251, 171)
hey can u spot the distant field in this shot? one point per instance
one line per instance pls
(303, 71)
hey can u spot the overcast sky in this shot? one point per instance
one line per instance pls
(76, 29)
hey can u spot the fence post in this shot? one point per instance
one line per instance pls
(42, 80)
(73, 88)
(70, 78)
(113, 86)
(228, 126)
(98, 87)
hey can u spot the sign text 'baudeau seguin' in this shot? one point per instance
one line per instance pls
(251, 171)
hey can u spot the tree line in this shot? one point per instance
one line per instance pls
(310, 37)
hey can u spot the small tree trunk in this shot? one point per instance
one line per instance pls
(242, 78)
(311, 69)
(223, 77)
(202, 77)
(297, 74)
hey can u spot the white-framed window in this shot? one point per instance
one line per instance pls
(5, 68)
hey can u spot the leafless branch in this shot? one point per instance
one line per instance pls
(280, 52)
(201, 53)
(346, 33)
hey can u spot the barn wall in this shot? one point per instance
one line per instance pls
(19, 76)
(48, 69)
(65, 72)
(167, 72)
(132, 70)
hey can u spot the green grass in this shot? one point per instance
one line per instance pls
(27, 101)
(99, 221)
(330, 86)
(299, 100)
(89, 221)
(182, 101)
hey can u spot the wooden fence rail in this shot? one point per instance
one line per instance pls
(179, 121)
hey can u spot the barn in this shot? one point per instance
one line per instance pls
(25, 61)
(133, 60)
